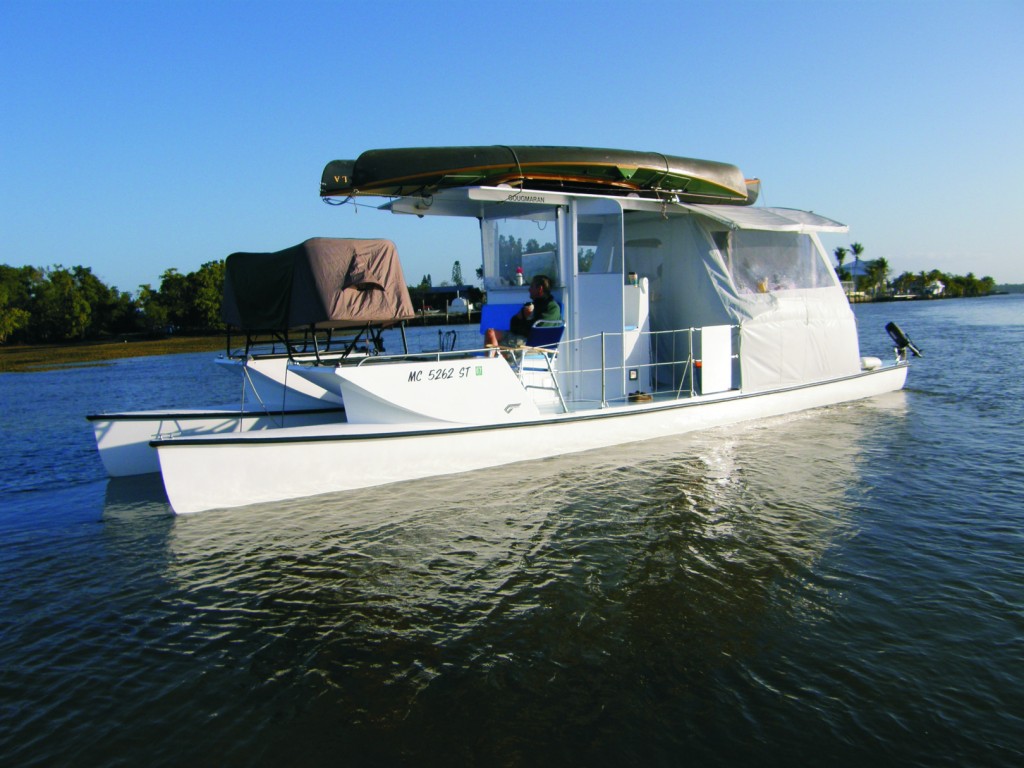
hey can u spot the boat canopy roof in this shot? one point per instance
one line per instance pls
(769, 219)
(323, 282)
(479, 202)
(424, 170)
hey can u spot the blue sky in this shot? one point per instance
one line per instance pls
(138, 136)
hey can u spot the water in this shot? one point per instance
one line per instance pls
(840, 586)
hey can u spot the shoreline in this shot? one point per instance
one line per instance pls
(47, 357)
(28, 358)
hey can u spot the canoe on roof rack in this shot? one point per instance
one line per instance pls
(424, 170)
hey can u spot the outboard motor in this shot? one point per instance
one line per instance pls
(902, 341)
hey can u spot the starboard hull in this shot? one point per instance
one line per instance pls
(209, 473)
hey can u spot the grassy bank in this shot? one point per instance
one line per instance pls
(46, 357)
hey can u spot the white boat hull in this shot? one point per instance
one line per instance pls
(269, 381)
(123, 438)
(274, 398)
(215, 472)
(471, 390)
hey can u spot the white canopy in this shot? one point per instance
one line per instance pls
(769, 219)
(761, 269)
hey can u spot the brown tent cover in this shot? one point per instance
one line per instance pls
(324, 282)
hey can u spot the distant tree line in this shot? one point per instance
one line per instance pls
(955, 285)
(57, 304)
(873, 278)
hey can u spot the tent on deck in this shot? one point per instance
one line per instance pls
(323, 283)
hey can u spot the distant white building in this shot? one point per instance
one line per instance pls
(460, 306)
(935, 288)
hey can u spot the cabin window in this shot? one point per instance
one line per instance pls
(528, 243)
(599, 243)
(766, 262)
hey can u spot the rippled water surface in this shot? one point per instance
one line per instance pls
(841, 587)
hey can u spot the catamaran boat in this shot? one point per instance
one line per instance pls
(684, 307)
(271, 396)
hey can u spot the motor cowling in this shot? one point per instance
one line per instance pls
(901, 340)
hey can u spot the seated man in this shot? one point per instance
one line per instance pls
(540, 307)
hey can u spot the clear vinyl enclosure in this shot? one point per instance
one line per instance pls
(520, 242)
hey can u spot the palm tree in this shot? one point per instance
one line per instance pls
(857, 250)
(904, 284)
(882, 270)
(840, 253)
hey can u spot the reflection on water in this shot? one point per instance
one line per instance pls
(135, 497)
(498, 608)
(844, 583)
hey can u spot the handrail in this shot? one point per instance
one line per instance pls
(680, 364)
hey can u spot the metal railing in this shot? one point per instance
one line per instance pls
(663, 364)
(668, 369)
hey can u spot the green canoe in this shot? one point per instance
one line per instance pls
(422, 170)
